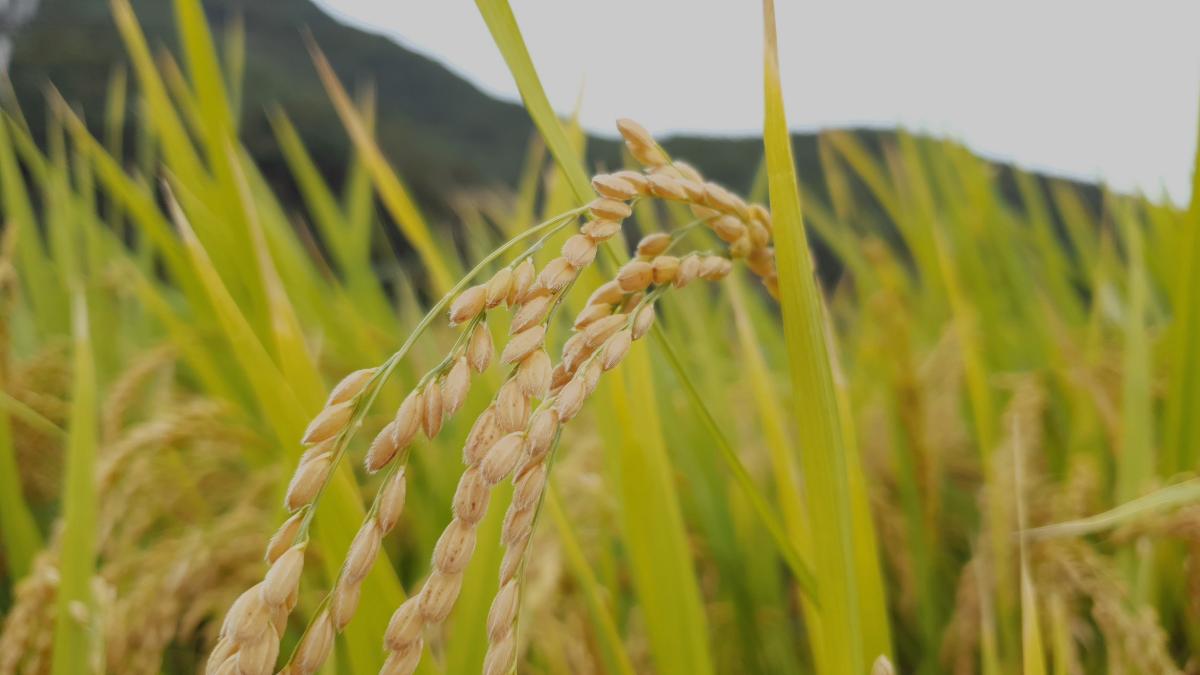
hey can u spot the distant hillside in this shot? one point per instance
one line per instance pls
(437, 129)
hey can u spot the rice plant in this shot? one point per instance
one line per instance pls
(927, 416)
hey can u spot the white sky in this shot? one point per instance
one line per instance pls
(1100, 89)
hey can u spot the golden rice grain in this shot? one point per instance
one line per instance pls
(408, 419)
(471, 496)
(609, 209)
(636, 179)
(383, 448)
(284, 537)
(283, 578)
(533, 374)
(614, 187)
(728, 228)
(600, 230)
(557, 274)
(689, 269)
(608, 293)
(591, 313)
(391, 500)
(512, 407)
(523, 344)
(350, 386)
(653, 244)
(328, 423)
(454, 548)
(456, 386)
(362, 551)
(542, 428)
(307, 482)
(498, 287)
(579, 251)
(665, 267)
(523, 278)
(503, 611)
(438, 596)
(315, 646)
(599, 331)
(502, 457)
(635, 275)
(616, 347)
(468, 305)
(432, 412)
(643, 321)
(527, 487)
(405, 626)
(484, 432)
(530, 313)
(479, 348)
(666, 187)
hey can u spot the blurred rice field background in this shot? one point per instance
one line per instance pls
(971, 453)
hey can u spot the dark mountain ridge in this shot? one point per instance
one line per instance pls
(439, 131)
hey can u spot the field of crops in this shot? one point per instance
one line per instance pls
(615, 421)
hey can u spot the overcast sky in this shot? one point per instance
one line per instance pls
(1089, 89)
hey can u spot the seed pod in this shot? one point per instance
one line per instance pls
(608, 293)
(404, 628)
(408, 419)
(615, 349)
(456, 386)
(533, 375)
(391, 501)
(527, 488)
(502, 457)
(635, 178)
(484, 432)
(557, 274)
(609, 209)
(438, 596)
(728, 228)
(328, 423)
(634, 133)
(454, 548)
(284, 537)
(653, 244)
(600, 230)
(666, 187)
(471, 496)
(307, 481)
(591, 376)
(687, 171)
(579, 251)
(479, 348)
(498, 287)
(350, 386)
(523, 277)
(315, 646)
(517, 526)
(643, 322)
(500, 656)
(599, 331)
(592, 313)
(636, 275)
(512, 407)
(608, 185)
(383, 448)
(345, 602)
(503, 612)
(284, 577)
(542, 429)
(665, 269)
(363, 551)
(570, 399)
(530, 313)
(431, 410)
(468, 305)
